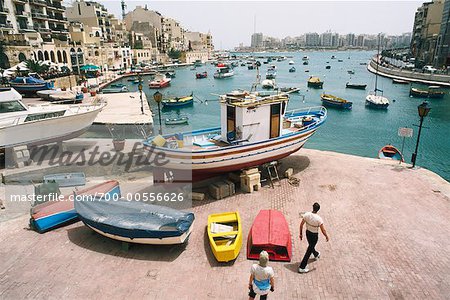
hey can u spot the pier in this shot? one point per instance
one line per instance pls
(388, 227)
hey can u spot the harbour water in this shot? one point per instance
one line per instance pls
(360, 131)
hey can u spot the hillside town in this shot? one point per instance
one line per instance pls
(86, 33)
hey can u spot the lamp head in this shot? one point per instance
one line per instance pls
(423, 109)
(157, 96)
(140, 87)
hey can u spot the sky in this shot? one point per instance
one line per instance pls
(233, 22)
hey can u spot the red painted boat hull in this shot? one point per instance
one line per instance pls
(270, 232)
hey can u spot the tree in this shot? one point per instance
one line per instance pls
(36, 67)
(174, 54)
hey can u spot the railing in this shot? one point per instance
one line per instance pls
(300, 112)
(6, 26)
(38, 2)
(39, 15)
(4, 10)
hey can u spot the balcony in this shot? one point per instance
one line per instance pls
(22, 14)
(21, 1)
(38, 2)
(26, 29)
(42, 29)
(55, 6)
(4, 10)
(4, 27)
(39, 16)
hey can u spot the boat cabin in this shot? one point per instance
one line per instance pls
(252, 118)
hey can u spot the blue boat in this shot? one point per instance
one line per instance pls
(30, 85)
(136, 221)
(336, 102)
(57, 212)
(178, 101)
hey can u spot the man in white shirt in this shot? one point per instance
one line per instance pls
(313, 223)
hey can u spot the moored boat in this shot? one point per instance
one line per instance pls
(160, 81)
(115, 88)
(178, 101)
(223, 149)
(201, 75)
(431, 92)
(198, 63)
(291, 62)
(57, 212)
(333, 101)
(415, 92)
(225, 235)
(268, 84)
(315, 82)
(373, 100)
(292, 70)
(399, 81)
(41, 124)
(305, 63)
(176, 121)
(30, 84)
(355, 86)
(136, 221)
(271, 73)
(328, 67)
(223, 71)
(305, 58)
(270, 232)
(390, 152)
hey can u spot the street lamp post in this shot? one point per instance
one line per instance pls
(158, 97)
(140, 93)
(423, 110)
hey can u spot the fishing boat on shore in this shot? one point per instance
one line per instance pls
(239, 142)
(270, 232)
(57, 212)
(41, 124)
(355, 86)
(225, 235)
(223, 71)
(390, 152)
(160, 81)
(30, 84)
(315, 82)
(115, 88)
(334, 101)
(178, 101)
(176, 121)
(136, 221)
(201, 75)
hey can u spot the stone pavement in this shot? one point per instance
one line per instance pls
(388, 228)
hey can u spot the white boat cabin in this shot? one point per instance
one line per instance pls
(252, 118)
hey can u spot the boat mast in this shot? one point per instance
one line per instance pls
(378, 61)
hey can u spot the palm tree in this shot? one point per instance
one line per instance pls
(36, 66)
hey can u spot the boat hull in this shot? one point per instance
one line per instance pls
(136, 222)
(270, 232)
(25, 88)
(391, 153)
(356, 86)
(51, 215)
(315, 85)
(48, 130)
(178, 103)
(159, 85)
(336, 104)
(222, 251)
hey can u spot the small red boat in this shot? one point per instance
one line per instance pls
(201, 75)
(160, 81)
(390, 152)
(270, 232)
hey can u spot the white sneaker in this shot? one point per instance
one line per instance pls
(318, 256)
(305, 270)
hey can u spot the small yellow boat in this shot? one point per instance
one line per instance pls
(225, 235)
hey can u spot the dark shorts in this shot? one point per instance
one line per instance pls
(252, 294)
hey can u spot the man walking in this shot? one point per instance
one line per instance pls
(313, 223)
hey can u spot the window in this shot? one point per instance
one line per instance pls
(43, 116)
(11, 106)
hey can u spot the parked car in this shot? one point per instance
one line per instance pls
(429, 69)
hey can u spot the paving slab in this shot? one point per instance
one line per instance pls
(388, 228)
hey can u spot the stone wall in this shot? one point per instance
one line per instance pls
(410, 75)
(66, 81)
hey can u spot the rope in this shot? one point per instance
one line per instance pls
(294, 181)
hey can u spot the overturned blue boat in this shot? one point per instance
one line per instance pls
(136, 222)
(30, 85)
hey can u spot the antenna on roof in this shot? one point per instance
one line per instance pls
(123, 9)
